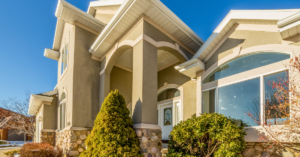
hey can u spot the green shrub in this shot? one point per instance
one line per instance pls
(113, 134)
(206, 135)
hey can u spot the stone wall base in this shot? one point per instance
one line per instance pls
(48, 137)
(150, 141)
(260, 149)
(72, 141)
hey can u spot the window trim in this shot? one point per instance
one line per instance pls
(262, 93)
(231, 57)
(64, 101)
(61, 59)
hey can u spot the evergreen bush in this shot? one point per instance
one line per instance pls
(113, 134)
(207, 135)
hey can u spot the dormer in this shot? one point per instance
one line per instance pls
(104, 10)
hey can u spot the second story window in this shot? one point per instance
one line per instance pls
(64, 58)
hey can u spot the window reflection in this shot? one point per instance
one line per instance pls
(240, 98)
(168, 94)
(273, 114)
(244, 64)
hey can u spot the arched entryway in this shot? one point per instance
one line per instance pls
(169, 107)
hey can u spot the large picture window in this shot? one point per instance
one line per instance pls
(244, 64)
(246, 101)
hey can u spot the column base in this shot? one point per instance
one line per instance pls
(72, 141)
(150, 139)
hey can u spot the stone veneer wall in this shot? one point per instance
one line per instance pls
(72, 141)
(258, 149)
(150, 142)
(48, 137)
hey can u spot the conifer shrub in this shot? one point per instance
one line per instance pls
(113, 134)
(207, 135)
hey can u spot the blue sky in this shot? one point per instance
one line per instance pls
(27, 28)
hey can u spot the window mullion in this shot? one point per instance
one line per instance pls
(262, 100)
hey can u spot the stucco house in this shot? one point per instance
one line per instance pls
(165, 71)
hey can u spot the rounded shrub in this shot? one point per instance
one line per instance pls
(207, 135)
(113, 134)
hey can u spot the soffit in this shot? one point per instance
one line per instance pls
(164, 60)
(67, 13)
(289, 26)
(263, 17)
(130, 12)
(36, 102)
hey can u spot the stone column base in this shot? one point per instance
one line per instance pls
(48, 137)
(72, 141)
(150, 139)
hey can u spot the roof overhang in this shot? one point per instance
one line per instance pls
(289, 26)
(191, 67)
(130, 11)
(52, 54)
(264, 17)
(101, 3)
(37, 100)
(67, 13)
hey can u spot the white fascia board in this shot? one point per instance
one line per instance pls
(176, 20)
(36, 102)
(289, 26)
(94, 4)
(52, 54)
(190, 64)
(62, 4)
(83, 14)
(112, 23)
(158, 5)
(247, 15)
(288, 20)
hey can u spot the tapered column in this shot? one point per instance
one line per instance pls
(144, 98)
(144, 91)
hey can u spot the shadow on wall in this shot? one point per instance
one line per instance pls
(229, 44)
(137, 114)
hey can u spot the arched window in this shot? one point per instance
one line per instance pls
(168, 94)
(244, 64)
(62, 111)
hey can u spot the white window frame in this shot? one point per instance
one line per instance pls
(62, 112)
(62, 73)
(262, 93)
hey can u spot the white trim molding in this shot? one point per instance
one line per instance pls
(191, 67)
(146, 126)
(132, 43)
(36, 101)
(269, 17)
(52, 54)
(289, 26)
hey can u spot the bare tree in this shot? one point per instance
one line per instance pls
(14, 116)
(282, 109)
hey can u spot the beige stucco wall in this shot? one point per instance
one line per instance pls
(121, 80)
(86, 80)
(50, 114)
(245, 39)
(65, 81)
(172, 76)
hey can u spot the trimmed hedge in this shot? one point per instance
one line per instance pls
(113, 134)
(206, 135)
